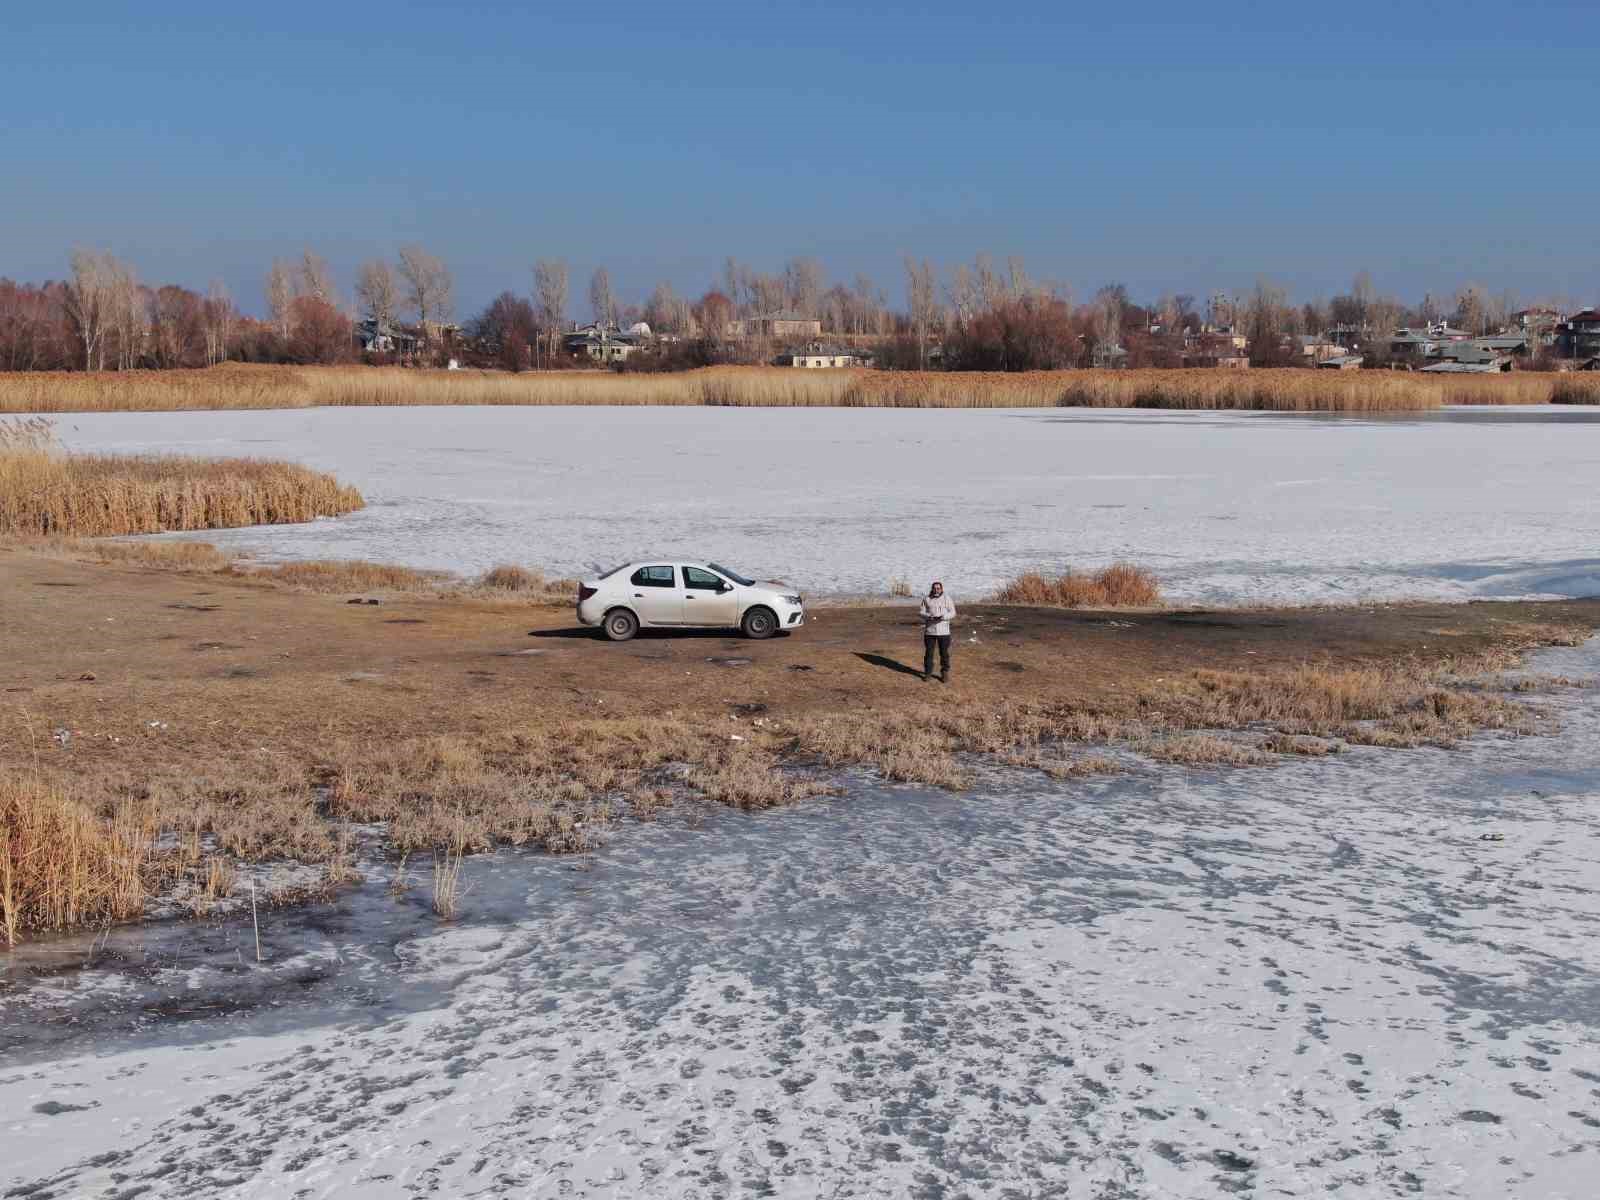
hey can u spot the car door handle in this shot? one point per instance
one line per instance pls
(638, 595)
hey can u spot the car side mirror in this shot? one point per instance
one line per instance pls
(724, 587)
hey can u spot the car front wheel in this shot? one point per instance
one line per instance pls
(759, 623)
(620, 625)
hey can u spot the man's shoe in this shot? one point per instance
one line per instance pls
(944, 676)
(926, 677)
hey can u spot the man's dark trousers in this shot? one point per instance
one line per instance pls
(929, 641)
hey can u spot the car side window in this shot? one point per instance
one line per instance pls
(653, 577)
(704, 581)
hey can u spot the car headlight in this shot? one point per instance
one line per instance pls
(795, 600)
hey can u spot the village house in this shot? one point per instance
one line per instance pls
(819, 354)
(605, 343)
(1223, 349)
(1316, 347)
(382, 337)
(1340, 362)
(1579, 335)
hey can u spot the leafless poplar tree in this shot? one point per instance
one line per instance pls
(130, 317)
(803, 285)
(280, 296)
(377, 292)
(601, 302)
(550, 295)
(316, 278)
(428, 284)
(218, 320)
(923, 300)
(87, 301)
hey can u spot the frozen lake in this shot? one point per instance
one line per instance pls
(1225, 507)
(1292, 981)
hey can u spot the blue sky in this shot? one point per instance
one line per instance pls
(1171, 147)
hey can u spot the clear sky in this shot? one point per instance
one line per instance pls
(1177, 147)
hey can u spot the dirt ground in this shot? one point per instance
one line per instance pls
(147, 668)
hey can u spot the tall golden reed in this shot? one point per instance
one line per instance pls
(45, 492)
(61, 866)
(238, 386)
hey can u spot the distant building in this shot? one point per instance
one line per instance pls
(604, 343)
(1481, 363)
(381, 337)
(1340, 362)
(818, 354)
(1579, 335)
(1317, 347)
(1216, 348)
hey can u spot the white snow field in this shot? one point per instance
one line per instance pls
(1311, 979)
(1225, 507)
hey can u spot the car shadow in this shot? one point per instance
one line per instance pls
(888, 664)
(594, 633)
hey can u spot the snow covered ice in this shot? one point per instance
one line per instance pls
(1281, 982)
(1225, 507)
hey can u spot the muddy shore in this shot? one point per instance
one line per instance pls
(147, 667)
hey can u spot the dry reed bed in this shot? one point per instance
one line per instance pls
(239, 386)
(44, 491)
(1121, 585)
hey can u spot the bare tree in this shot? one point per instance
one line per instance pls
(601, 302)
(428, 285)
(550, 293)
(803, 285)
(922, 296)
(87, 302)
(377, 292)
(130, 316)
(217, 315)
(280, 297)
(316, 277)
(1472, 308)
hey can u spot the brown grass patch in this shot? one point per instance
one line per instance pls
(1205, 750)
(241, 386)
(44, 492)
(354, 575)
(1121, 585)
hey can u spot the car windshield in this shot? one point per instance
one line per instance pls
(733, 575)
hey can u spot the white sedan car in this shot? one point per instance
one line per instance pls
(666, 593)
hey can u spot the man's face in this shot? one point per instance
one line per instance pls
(938, 590)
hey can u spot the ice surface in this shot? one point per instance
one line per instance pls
(1226, 507)
(1283, 982)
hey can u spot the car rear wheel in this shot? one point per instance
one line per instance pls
(759, 623)
(620, 625)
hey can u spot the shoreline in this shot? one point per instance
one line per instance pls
(254, 724)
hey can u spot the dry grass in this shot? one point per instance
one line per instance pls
(239, 386)
(78, 851)
(1205, 750)
(62, 865)
(1121, 585)
(447, 881)
(353, 575)
(45, 492)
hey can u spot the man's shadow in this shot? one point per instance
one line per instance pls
(888, 664)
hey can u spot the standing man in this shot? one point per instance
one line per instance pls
(937, 611)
